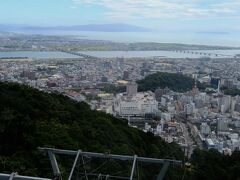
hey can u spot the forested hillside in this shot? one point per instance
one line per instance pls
(212, 165)
(175, 82)
(30, 119)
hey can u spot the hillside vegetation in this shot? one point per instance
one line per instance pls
(175, 82)
(212, 165)
(30, 119)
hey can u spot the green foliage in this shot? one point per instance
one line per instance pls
(212, 165)
(232, 92)
(30, 119)
(110, 88)
(175, 82)
(91, 97)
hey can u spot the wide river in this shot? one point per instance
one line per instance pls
(126, 54)
(36, 54)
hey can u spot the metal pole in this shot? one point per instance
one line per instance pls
(163, 171)
(12, 176)
(75, 162)
(133, 166)
(18, 177)
(99, 176)
(85, 171)
(54, 164)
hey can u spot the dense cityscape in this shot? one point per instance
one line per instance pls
(204, 118)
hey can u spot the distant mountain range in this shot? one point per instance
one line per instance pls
(88, 27)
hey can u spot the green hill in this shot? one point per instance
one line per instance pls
(175, 82)
(30, 119)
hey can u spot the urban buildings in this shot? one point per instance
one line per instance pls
(204, 118)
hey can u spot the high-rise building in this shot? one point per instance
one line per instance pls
(222, 124)
(195, 89)
(120, 63)
(205, 129)
(132, 88)
(125, 75)
(28, 74)
(224, 104)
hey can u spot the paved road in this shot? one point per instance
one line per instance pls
(195, 135)
(187, 138)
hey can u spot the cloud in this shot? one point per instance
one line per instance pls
(124, 9)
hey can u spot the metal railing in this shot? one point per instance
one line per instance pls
(52, 152)
(89, 175)
(15, 176)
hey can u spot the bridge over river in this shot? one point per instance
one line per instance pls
(205, 54)
(197, 53)
(77, 54)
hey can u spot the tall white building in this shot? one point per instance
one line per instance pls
(224, 104)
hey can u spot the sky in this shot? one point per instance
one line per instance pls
(219, 17)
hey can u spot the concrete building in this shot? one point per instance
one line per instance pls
(28, 74)
(222, 124)
(132, 89)
(189, 108)
(224, 104)
(205, 129)
(140, 104)
(210, 144)
(166, 117)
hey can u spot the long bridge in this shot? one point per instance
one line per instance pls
(201, 53)
(207, 54)
(77, 54)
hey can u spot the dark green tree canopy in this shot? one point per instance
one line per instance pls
(175, 82)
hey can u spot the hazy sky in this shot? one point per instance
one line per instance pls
(216, 16)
